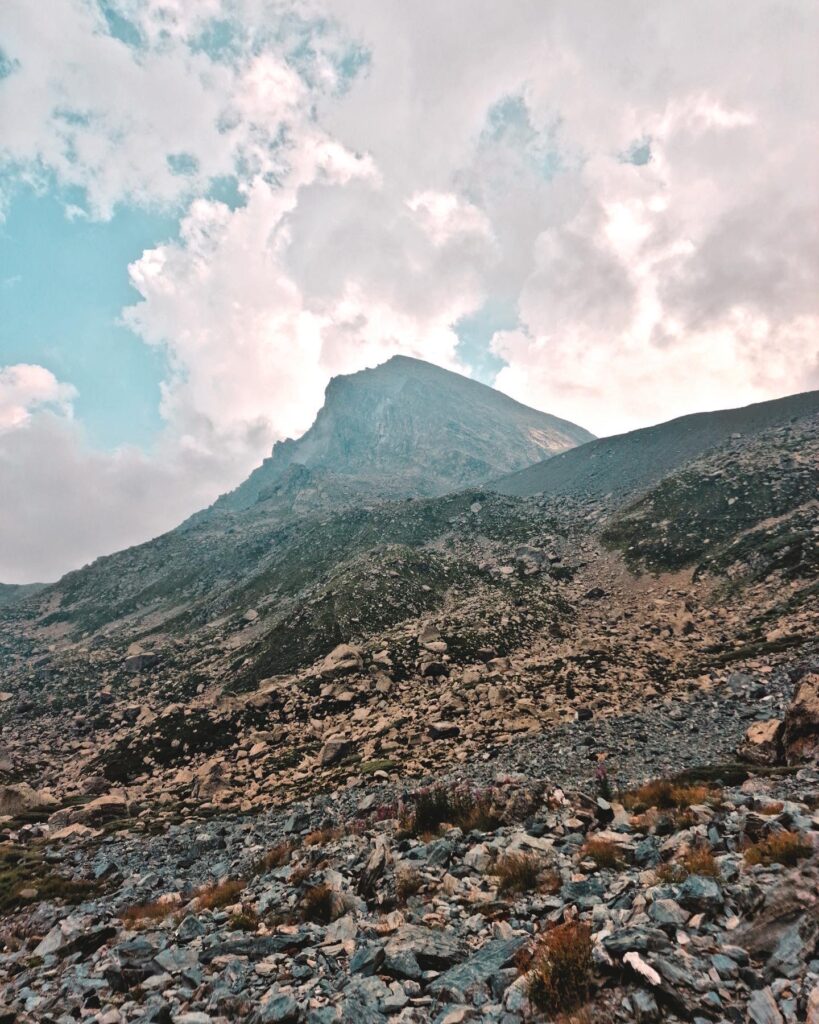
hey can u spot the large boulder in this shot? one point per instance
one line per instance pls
(762, 744)
(21, 798)
(800, 735)
(103, 808)
(342, 659)
(140, 661)
(334, 750)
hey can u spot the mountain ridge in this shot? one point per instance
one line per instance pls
(634, 460)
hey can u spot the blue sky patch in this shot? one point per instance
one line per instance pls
(475, 333)
(63, 285)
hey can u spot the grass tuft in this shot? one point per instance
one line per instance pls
(276, 857)
(786, 848)
(517, 872)
(560, 972)
(666, 795)
(700, 861)
(461, 806)
(318, 905)
(323, 836)
(213, 897)
(605, 854)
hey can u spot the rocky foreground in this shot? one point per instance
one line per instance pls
(485, 896)
(339, 751)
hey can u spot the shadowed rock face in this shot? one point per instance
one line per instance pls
(410, 428)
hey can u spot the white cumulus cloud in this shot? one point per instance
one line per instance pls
(639, 184)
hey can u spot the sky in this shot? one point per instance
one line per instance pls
(210, 207)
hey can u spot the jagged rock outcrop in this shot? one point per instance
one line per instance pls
(800, 732)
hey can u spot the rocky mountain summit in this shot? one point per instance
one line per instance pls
(408, 428)
(372, 741)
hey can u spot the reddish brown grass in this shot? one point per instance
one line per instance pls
(604, 853)
(212, 897)
(144, 912)
(786, 848)
(666, 795)
(560, 973)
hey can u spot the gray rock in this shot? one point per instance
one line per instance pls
(638, 940)
(668, 914)
(280, 1008)
(762, 1008)
(646, 1010)
(413, 947)
(367, 959)
(334, 750)
(478, 969)
(700, 893)
(443, 730)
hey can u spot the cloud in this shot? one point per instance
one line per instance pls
(26, 389)
(65, 503)
(627, 180)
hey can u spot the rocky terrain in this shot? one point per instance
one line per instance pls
(370, 738)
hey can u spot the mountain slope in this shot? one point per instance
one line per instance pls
(404, 429)
(626, 464)
(11, 593)
(408, 428)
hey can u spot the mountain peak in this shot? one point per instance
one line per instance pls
(410, 428)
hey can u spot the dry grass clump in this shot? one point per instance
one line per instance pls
(786, 848)
(673, 871)
(449, 805)
(145, 912)
(700, 861)
(323, 836)
(276, 857)
(666, 795)
(697, 861)
(213, 897)
(560, 971)
(771, 807)
(407, 883)
(318, 905)
(300, 873)
(517, 872)
(605, 854)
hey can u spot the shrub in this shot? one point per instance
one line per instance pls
(560, 972)
(24, 868)
(601, 774)
(604, 853)
(318, 905)
(517, 872)
(779, 848)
